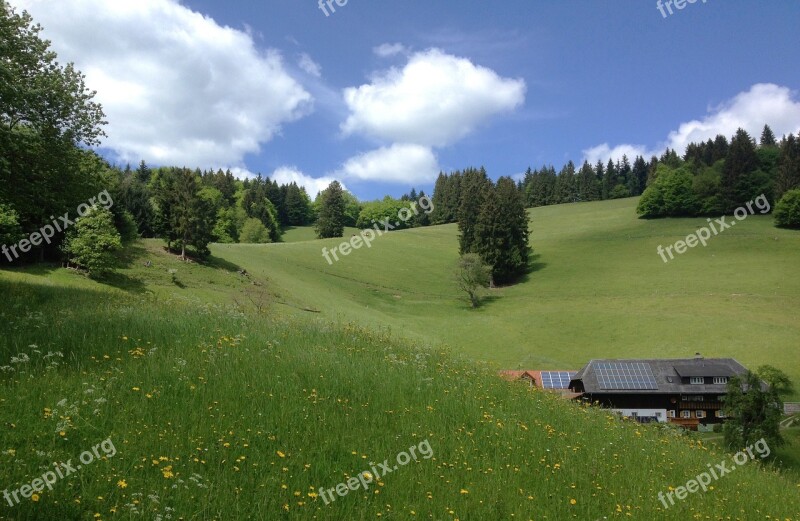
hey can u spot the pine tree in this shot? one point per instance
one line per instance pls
(767, 137)
(330, 221)
(721, 147)
(474, 188)
(438, 216)
(609, 180)
(565, 185)
(600, 174)
(143, 173)
(624, 173)
(502, 232)
(638, 178)
(587, 183)
(547, 186)
(788, 174)
(297, 205)
(742, 162)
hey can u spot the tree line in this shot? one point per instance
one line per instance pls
(719, 176)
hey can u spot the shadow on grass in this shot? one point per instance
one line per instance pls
(37, 270)
(219, 262)
(124, 283)
(534, 265)
(485, 302)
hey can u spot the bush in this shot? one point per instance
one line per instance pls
(254, 232)
(670, 195)
(127, 227)
(619, 192)
(787, 211)
(10, 231)
(93, 241)
(651, 204)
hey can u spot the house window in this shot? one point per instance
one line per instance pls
(692, 398)
(720, 380)
(700, 414)
(686, 414)
(671, 414)
(696, 380)
(721, 414)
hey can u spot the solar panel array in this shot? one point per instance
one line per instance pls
(556, 379)
(625, 375)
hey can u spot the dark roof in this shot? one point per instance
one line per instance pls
(667, 374)
(704, 368)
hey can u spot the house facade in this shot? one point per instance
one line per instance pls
(685, 391)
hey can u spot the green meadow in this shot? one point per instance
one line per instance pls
(598, 289)
(238, 396)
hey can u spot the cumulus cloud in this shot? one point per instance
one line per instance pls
(177, 87)
(310, 66)
(289, 174)
(399, 163)
(435, 100)
(764, 103)
(386, 50)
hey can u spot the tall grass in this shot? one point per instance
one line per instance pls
(217, 414)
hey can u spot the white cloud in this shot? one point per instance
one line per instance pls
(313, 185)
(435, 100)
(310, 66)
(764, 103)
(177, 87)
(386, 50)
(400, 163)
(604, 152)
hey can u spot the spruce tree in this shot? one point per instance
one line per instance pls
(788, 174)
(438, 216)
(586, 183)
(767, 137)
(741, 163)
(330, 221)
(474, 188)
(502, 232)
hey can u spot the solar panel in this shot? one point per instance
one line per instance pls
(556, 379)
(625, 375)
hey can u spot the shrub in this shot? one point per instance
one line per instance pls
(254, 232)
(93, 241)
(10, 231)
(787, 211)
(619, 192)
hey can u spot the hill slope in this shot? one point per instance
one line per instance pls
(218, 414)
(598, 290)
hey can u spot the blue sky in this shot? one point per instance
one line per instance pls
(383, 94)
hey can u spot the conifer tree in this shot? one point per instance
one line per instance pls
(330, 221)
(767, 137)
(742, 161)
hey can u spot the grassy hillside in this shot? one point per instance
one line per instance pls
(232, 396)
(218, 413)
(598, 289)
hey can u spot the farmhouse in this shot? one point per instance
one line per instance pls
(687, 391)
